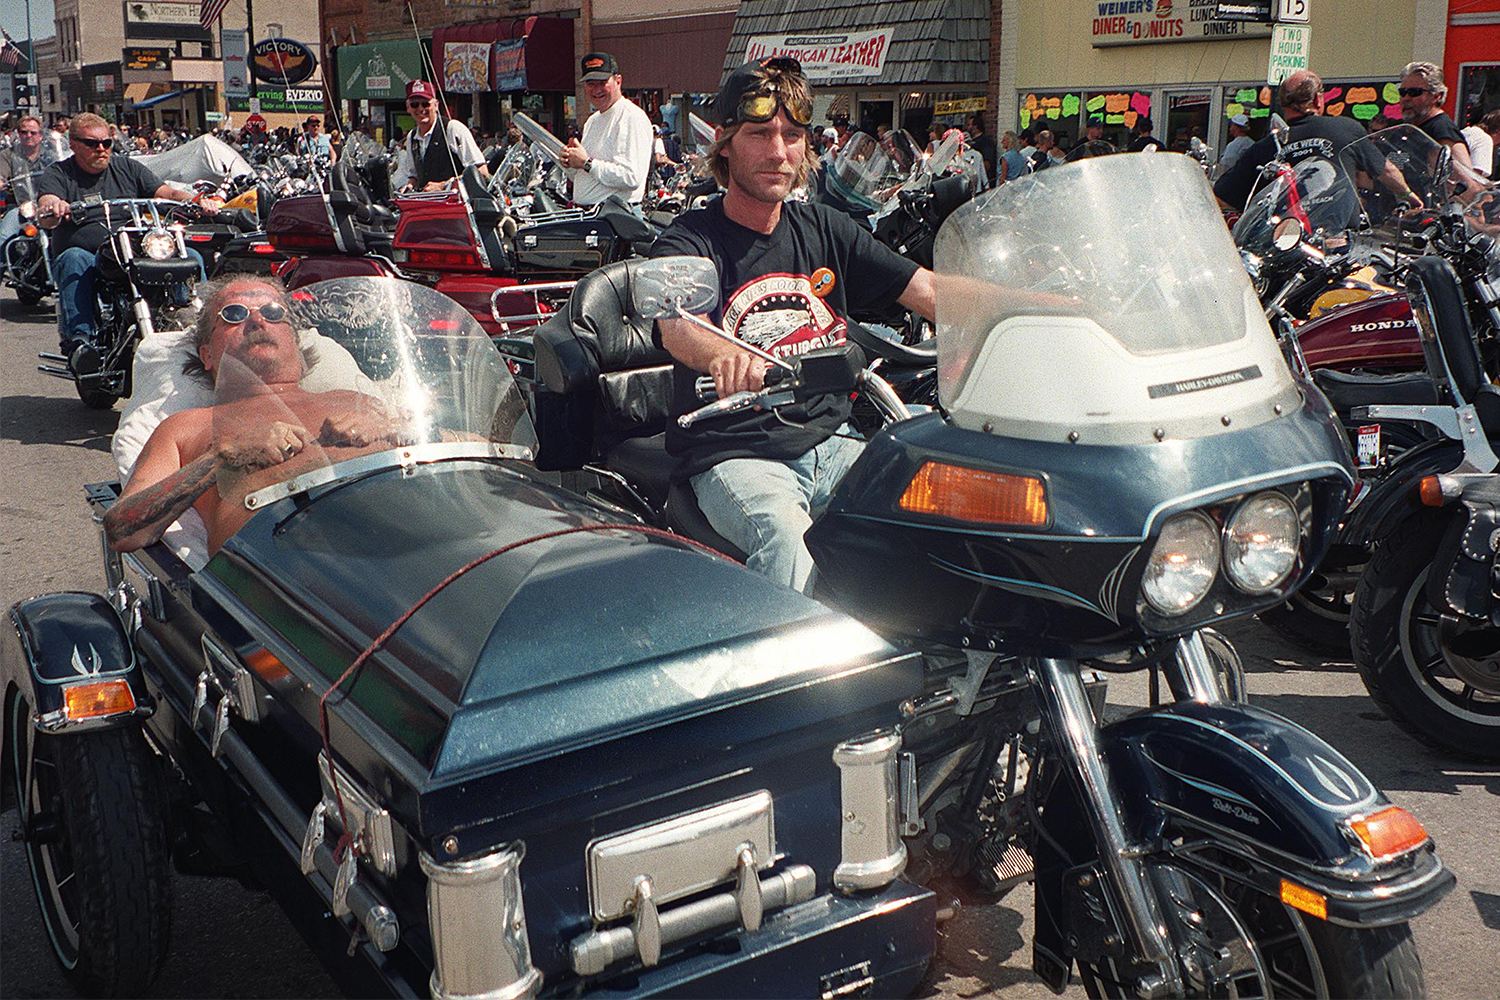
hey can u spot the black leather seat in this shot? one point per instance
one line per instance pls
(1346, 390)
(1433, 286)
(923, 355)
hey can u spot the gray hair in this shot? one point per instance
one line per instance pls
(1431, 74)
(211, 295)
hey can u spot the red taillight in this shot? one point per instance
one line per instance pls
(443, 324)
(199, 237)
(262, 248)
(303, 240)
(300, 296)
(443, 258)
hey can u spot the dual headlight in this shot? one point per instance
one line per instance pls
(158, 244)
(1257, 547)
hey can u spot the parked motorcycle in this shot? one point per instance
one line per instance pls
(1121, 460)
(145, 272)
(1425, 623)
(1313, 236)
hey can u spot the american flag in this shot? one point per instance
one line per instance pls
(210, 11)
(10, 52)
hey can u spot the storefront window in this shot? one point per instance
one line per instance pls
(1478, 90)
(1056, 111)
(1187, 119)
(1120, 109)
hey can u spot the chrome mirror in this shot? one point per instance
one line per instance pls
(669, 286)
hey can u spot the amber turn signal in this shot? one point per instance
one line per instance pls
(97, 699)
(1430, 490)
(1389, 832)
(29, 231)
(976, 495)
(1304, 899)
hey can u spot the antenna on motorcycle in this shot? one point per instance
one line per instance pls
(437, 84)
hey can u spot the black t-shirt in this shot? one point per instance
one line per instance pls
(1441, 128)
(1140, 142)
(1310, 135)
(125, 177)
(984, 145)
(787, 292)
(22, 174)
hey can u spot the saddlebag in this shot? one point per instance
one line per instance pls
(164, 273)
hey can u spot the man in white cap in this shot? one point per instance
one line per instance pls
(1239, 130)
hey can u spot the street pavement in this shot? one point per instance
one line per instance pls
(229, 941)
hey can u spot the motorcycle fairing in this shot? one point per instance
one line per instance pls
(1075, 581)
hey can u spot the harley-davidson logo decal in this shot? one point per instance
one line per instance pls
(1206, 382)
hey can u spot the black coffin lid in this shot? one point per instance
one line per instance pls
(557, 645)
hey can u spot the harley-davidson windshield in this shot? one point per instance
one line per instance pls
(868, 170)
(396, 374)
(1102, 302)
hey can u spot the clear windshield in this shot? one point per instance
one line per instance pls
(868, 170)
(359, 149)
(1089, 272)
(1316, 192)
(369, 368)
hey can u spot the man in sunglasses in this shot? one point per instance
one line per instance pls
(91, 172)
(1422, 93)
(426, 164)
(20, 166)
(205, 457)
(1311, 133)
(789, 274)
(613, 156)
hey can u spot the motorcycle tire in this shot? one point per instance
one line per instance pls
(1315, 619)
(91, 806)
(1276, 950)
(1403, 650)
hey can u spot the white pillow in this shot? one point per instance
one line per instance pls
(160, 388)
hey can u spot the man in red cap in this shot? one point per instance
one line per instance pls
(426, 165)
(614, 156)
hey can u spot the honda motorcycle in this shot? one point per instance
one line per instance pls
(145, 273)
(1121, 460)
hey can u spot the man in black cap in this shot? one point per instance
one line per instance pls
(789, 272)
(614, 155)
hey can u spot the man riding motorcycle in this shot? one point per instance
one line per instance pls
(788, 271)
(92, 171)
(19, 166)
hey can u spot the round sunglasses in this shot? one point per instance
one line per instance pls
(238, 312)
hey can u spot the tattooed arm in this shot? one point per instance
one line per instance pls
(179, 464)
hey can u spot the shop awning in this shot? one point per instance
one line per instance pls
(153, 101)
(544, 62)
(379, 71)
(136, 92)
(918, 42)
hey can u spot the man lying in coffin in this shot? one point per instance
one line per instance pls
(263, 427)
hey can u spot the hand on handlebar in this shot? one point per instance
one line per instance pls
(737, 371)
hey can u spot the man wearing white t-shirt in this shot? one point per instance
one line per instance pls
(614, 156)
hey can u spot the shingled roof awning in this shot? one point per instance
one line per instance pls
(932, 41)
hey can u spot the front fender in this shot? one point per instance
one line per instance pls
(58, 642)
(1248, 782)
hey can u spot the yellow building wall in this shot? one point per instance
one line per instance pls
(1350, 38)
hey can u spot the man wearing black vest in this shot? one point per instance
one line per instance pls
(427, 165)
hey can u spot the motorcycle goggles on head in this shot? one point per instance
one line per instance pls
(759, 102)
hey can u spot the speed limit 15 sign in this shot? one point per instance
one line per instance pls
(1292, 11)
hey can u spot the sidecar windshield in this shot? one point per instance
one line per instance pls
(397, 373)
(1057, 290)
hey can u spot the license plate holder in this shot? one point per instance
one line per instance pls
(1367, 446)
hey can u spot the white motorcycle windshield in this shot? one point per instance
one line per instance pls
(1101, 301)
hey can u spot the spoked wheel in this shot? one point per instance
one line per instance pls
(1437, 675)
(91, 816)
(1233, 941)
(1316, 617)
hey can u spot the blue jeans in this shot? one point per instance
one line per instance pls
(74, 272)
(766, 505)
(10, 227)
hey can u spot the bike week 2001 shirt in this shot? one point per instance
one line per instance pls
(787, 292)
(1309, 135)
(123, 178)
